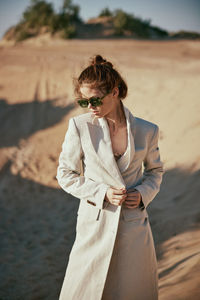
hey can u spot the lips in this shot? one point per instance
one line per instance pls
(95, 112)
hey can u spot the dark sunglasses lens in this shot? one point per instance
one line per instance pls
(95, 101)
(83, 103)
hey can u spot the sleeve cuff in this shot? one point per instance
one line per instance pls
(141, 205)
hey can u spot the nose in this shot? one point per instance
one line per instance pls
(90, 106)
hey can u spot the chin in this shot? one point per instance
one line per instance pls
(97, 114)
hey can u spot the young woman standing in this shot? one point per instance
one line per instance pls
(113, 256)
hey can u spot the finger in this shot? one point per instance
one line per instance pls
(119, 197)
(131, 207)
(132, 191)
(132, 194)
(117, 203)
(131, 201)
(122, 201)
(119, 192)
(132, 197)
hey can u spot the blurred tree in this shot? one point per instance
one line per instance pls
(185, 34)
(40, 17)
(38, 14)
(105, 12)
(66, 20)
(124, 22)
(71, 10)
(120, 21)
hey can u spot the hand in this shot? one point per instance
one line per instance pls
(133, 199)
(116, 196)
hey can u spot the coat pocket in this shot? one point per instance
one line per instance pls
(88, 212)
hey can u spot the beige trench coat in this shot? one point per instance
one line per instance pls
(113, 256)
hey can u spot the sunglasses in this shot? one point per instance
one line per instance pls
(94, 101)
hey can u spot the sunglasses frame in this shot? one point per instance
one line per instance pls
(90, 100)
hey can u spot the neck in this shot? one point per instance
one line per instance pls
(116, 117)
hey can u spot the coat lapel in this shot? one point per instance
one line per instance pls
(126, 159)
(100, 139)
(101, 143)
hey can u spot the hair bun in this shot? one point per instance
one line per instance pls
(98, 60)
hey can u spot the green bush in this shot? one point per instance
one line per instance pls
(124, 22)
(23, 35)
(71, 11)
(186, 34)
(120, 22)
(40, 14)
(68, 32)
(105, 12)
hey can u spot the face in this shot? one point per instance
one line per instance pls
(109, 101)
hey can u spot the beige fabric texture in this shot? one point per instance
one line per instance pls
(113, 256)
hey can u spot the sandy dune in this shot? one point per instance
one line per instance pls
(36, 100)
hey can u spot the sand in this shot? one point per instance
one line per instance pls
(36, 101)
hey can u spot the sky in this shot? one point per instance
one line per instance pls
(172, 15)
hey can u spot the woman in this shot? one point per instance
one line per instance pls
(113, 256)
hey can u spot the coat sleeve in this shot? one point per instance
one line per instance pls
(69, 170)
(153, 171)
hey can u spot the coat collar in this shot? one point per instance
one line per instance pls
(101, 142)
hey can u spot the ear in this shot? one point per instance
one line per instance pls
(115, 91)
